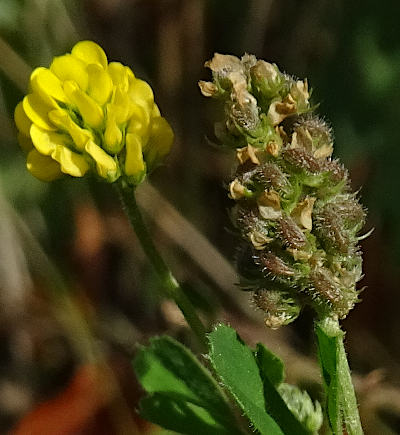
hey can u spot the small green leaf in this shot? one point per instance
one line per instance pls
(328, 353)
(179, 415)
(235, 365)
(270, 365)
(185, 390)
(272, 374)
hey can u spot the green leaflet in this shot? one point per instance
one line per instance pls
(183, 395)
(270, 365)
(236, 367)
(272, 374)
(180, 415)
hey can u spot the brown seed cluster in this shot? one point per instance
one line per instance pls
(294, 211)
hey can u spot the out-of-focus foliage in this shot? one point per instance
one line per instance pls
(361, 92)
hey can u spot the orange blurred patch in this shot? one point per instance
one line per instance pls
(72, 410)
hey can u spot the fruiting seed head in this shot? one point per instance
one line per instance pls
(294, 209)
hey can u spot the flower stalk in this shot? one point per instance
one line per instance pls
(341, 400)
(169, 285)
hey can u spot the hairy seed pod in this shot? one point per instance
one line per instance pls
(338, 222)
(328, 291)
(313, 135)
(271, 175)
(326, 288)
(274, 265)
(336, 169)
(246, 217)
(291, 234)
(260, 177)
(350, 210)
(331, 231)
(301, 158)
(279, 308)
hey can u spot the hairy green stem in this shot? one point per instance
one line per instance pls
(342, 406)
(348, 398)
(170, 287)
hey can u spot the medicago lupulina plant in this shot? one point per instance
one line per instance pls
(296, 215)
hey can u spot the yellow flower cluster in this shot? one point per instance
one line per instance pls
(85, 115)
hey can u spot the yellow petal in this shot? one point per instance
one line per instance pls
(100, 84)
(140, 91)
(139, 128)
(68, 67)
(43, 81)
(22, 122)
(60, 118)
(91, 112)
(130, 74)
(25, 142)
(160, 142)
(63, 121)
(71, 163)
(121, 75)
(89, 52)
(106, 166)
(37, 111)
(120, 107)
(79, 135)
(46, 141)
(155, 113)
(134, 164)
(140, 112)
(112, 137)
(139, 124)
(42, 167)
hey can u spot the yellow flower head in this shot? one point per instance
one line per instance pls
(85, 115)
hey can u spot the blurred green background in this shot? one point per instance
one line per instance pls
(350, 53)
